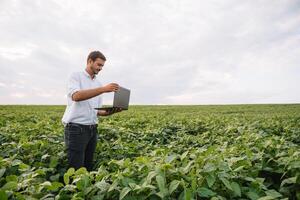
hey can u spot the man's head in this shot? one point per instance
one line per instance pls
(95, 62)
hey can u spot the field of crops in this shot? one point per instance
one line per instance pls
(156, 152)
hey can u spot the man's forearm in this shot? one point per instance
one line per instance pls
(82, 95)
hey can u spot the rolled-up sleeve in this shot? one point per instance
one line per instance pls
(73, 84)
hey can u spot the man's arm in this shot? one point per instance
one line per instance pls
(82, 95)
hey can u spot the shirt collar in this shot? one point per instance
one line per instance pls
(88, 75)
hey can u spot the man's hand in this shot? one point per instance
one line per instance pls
(109, 112)
(112, 87)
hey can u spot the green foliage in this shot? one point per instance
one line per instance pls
(156, 152)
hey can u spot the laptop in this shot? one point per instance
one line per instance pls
(121, 100)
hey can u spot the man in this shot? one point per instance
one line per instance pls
(80, 118)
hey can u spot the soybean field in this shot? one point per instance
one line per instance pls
(215, 152)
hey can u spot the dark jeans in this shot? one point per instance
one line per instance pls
(81, 141)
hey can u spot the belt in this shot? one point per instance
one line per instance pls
(83, 125)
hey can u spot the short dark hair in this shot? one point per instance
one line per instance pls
(94, 55)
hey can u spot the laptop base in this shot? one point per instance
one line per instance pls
(110, 108)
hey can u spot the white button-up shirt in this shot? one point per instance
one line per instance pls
(82, 112)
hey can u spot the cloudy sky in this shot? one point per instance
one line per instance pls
(166, 52)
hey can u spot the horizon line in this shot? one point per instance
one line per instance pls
(294, 103)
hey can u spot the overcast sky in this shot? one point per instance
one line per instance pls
(166, 52)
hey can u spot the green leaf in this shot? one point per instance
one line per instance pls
(184, 155)
(83, 183)
(98, 197)
(46, 184)
(46, 197)
(161, 184)
(113, 185)
(186, 169)
(10, 186)
(134, 186)
(126, 180)
(266, 198)
(66, 178)
(71, 171)
(54, 177)
(150, 176)
(239, 168)
(210, 179)
(173, 186)
(209, 167)
(171, 158)
(205, 192)
(252, 195)
(273, 193)
(67, 175)
(161, 194)
(187, 194)
(226, 183)
(53, 162)
(291, 180)
(124, 192)
(294, 164)
(2, 171)
(45, 156)
(236, 189)
(55, 186)
(40, 172)
(81, 170)
(102, 185)
(11, 178)
(16, 162)
(3, 195)
(23, 167)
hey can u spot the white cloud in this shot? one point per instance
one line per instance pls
(17, 52)
(18, 95)
(2, 84)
